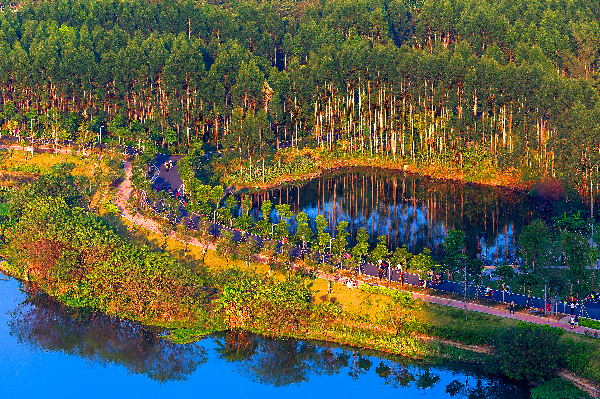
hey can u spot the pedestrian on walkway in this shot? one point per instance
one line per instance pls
(572, 308)
(576, 320)
(572, 322)
(511, 307)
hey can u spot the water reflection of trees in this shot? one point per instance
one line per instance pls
(415, 211)
(480, 388)
(41, 321)
(284, 362)
(279, 362)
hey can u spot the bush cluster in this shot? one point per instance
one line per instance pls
(396, 295)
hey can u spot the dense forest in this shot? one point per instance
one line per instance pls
(506, 85)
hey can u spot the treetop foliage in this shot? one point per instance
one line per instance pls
(503, 84)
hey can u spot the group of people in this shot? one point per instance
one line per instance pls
(593, 297)
(574, 321)
(168, 165)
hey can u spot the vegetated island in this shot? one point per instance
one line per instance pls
(91, 260)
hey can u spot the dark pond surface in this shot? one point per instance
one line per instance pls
(417, 211)
(48, 351)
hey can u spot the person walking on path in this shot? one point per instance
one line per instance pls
(576, 321)
(572, 308)
(511, 307)
(572, 321)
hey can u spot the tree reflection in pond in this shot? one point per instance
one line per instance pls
(45, 323)
(279, 362)
(396, 374)
(427, 379)
(284, 362)
(484, 388)
(239, 345)
(417, 211)
(359, 365)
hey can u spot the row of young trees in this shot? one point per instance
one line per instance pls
(558, 256)
(562, 256)
(460, 84)
(277, 224)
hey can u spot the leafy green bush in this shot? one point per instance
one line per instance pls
(252, 300)
(396, 295)
(30, 168)
(4, 209)
(590, 323)
(57, 185)
(111, 208)
(577, 355)
(529, 352)
(63, 167)
(557, 388)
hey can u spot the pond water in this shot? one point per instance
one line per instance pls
(49, 351)
(417, 211)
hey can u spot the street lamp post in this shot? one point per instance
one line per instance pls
(465, 293)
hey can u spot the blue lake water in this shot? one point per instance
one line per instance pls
(48, 351)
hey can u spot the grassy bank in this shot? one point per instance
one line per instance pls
(294, 165)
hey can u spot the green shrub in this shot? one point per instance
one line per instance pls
(529, 352)
(63, 167)
(466, 336)
(111, 208)
(557, 388)
(577, 355)
(590, 323)
(30, 168)
(396, 295)
(4, 209)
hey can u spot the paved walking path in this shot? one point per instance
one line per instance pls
(122, 195)
(500, 312)
(124, 191)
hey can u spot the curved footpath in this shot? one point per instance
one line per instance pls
(121, 197)
(125, 189)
